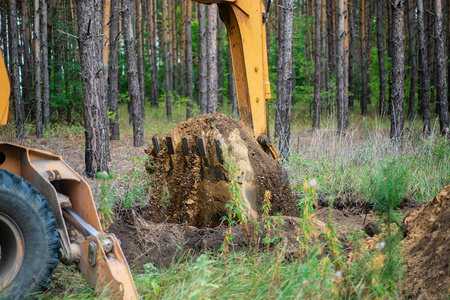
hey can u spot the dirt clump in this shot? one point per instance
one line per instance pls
(427, 249)
(198, 179)
(161, 244)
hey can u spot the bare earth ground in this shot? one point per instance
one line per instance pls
(427, 242)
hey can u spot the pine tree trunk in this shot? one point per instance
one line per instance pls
(364, 57)
(324, 61)
(106, 16)
(424, 78)
(398, 71)
(141, 60)
(132, 72)
(14, 69)
(4, 32)
(412, 58)
(351, 55)
(381, 66)
(27, 78)
(93, 84)
(342, 103)
(189, 62)
(45, 66)
(166, 45)
(37, 67)
(441, 82)
(284, 90)
(173, 39)
(333, 43)
(153, 54)
(211, 40)
(202, 60)
(219, 61)
(113, 78)
(346, 57)
(317, 57)
(183, 48)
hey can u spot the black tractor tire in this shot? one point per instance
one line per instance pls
(29, 241)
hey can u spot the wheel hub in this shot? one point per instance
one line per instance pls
(11, 250)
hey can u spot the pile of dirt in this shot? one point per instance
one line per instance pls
(198, 183)
(427, 249)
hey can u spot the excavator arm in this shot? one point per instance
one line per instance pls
(245, 21)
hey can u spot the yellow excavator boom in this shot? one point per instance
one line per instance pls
(4, 92)
(245, 21)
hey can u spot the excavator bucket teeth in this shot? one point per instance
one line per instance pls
(201, 147)
(170, 146)
(185, 144)
(219, 152)
(156, 148)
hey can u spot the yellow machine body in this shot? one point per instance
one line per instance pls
(5, 90)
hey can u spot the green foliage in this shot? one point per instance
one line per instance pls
(105, 205)
(388, 190)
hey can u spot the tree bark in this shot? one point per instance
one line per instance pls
(173, 42)
(324, 61)
(93, 85)
(364, 57)
(342, 103)
(317, 56)
(211, 40)
(14, 70)
(424, 78)
(106, 17)
(4, 33)
(140, 51)
(412, 58)
(27, 77)
(182, 66)
(132, 72)
(351, 54)
(441, 82)
(45, 66)
(153, 54)
(189, 62)
(113, 78)
(202, 60)
(219, 61)
(381, 66)
(166, 45)
(285, 79)
(398, 71)
(37, 67)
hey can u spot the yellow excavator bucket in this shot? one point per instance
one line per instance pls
(4, 92)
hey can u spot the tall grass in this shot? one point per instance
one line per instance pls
(344, 165)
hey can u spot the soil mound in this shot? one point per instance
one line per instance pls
(427, 249)
(197, 177)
